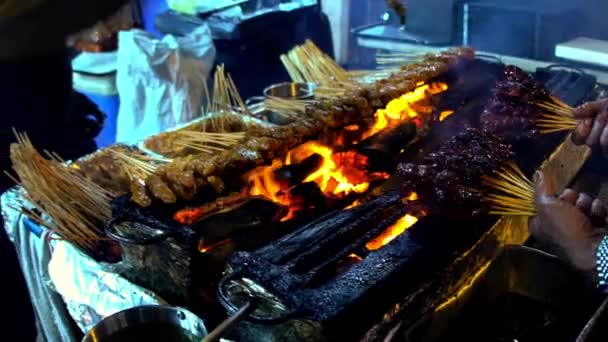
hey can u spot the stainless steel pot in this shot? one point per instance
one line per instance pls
(286, 90)
(291, 90)
(148, 318)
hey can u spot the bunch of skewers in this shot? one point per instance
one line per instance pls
(557, 116)
(216, 132)
(307, 63)
(75, 206)
(137, 166)
(510, 193)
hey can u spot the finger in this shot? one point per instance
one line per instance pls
(598, 126)
(604, 140)
(580, 134)
(569, 196)
(543, 187)
(583, 202)
(598, 210)
(590, 109)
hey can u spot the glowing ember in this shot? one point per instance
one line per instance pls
(189, 216)
(392, 232)
(339, 174)
(205, 249)
(263, 183)
(408, 106)
(444, 115)
(356, 203)
(354, 256)
(412, 197)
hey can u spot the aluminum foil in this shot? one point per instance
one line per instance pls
(92, 290)
(11, 201)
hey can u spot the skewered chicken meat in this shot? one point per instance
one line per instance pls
(449, 177)
(511, 113)
(105, 170)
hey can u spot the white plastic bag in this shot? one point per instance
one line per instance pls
(160, 82)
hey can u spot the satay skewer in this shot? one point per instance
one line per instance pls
(511, 192)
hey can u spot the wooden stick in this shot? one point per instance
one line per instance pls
(76, 206)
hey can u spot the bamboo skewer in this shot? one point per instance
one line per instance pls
(550, 123)
(512, 192)
(138, 166)
(76, 206)
(286, 107)
(559, 117)
(226, 97)
(207, 142)
(307, 63)
(397, 59)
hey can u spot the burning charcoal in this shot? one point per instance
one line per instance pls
(390, 141)
(308, 194)
(296, 173)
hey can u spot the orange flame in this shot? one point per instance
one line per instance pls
(395, 230)
(356, 203)
(412, 197)
(342, 173)
(444, 115)
(392, 232)
(408, 106)
(339, 174)
(188, 215)
(355, 257)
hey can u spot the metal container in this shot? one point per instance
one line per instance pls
(291, 90)
(153, 320)
(285, 90)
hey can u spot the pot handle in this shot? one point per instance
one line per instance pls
(225, 301)
(112, 233)
(254, 100)
(227, 325)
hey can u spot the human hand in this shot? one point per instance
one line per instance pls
(593, 129)
(565, 223)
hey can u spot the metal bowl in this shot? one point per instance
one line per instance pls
(291, 90)
(141, 322)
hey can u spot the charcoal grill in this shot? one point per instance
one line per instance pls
(394, 285)
(253, 228)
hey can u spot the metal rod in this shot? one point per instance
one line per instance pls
(232, 321)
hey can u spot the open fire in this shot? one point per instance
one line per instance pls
(396, 229)
(415, 105)
(392, 232)
(337, 174)
(340, 173)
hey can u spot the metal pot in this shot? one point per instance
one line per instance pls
(291, 90)
(286, 90)
(148, 318)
